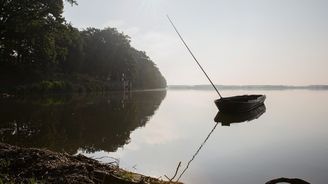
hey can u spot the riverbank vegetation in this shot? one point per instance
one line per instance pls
(28, 165)
(40, 52)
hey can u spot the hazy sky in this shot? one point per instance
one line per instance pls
(236, 41)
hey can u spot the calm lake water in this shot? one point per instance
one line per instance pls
(151, 132)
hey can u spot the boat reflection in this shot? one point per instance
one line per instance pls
(226, 118)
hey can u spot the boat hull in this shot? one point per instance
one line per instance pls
(239, 104)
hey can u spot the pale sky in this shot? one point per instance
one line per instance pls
(238, 42)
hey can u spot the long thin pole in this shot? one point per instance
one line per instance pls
(176, 30)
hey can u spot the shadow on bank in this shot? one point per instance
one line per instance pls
(68, 123)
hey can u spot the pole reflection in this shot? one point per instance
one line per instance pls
(226, 119)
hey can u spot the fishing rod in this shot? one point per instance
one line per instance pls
(176, 30)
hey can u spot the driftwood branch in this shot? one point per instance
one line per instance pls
(175, 174)
(167, 177)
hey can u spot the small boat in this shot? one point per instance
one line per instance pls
(228, 118)
(239, 104)
(234, 104)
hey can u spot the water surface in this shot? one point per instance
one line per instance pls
(151, 132)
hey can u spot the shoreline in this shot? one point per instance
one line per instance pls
(33, 165)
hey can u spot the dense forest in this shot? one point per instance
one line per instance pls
(41, 52)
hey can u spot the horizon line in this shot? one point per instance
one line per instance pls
(290, 85)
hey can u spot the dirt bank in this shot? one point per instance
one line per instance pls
(29, 165)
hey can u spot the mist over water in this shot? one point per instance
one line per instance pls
(151, 132)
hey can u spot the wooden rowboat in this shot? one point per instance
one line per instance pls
(234, 104)
(239, 104)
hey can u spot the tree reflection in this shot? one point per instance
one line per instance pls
(72, 122)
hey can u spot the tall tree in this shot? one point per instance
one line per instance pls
(37, 44)
(28, 30)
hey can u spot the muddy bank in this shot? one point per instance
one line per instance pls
(23, 165)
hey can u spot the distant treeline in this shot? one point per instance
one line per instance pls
(249, 87)
(40, 51)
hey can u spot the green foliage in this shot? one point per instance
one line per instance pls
(28, 31)
(52, 85)
(34, 181)
(5, 166)
(4, 169)
(37, 46)
(4, 163)
(72, 2)
(109, 55)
